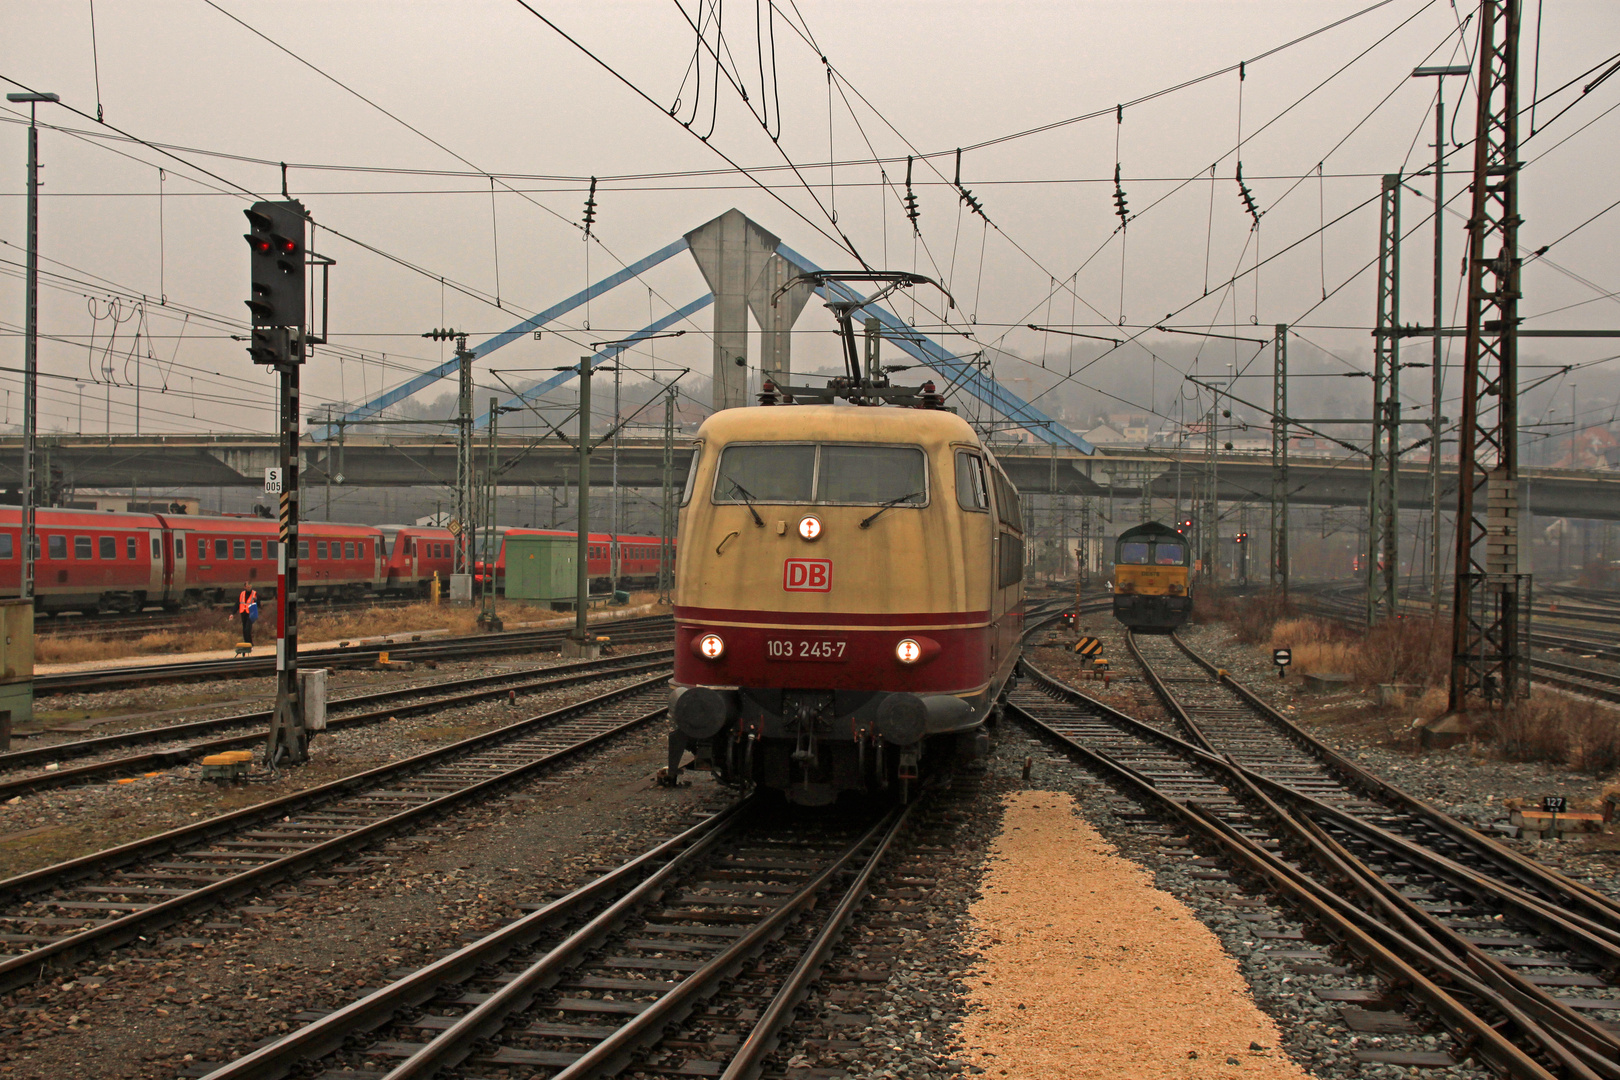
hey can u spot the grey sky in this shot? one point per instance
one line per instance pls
(494, 84)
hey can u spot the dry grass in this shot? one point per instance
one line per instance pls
(1557, 728)
(211, 631)
(1317, 644)
(1411, 652)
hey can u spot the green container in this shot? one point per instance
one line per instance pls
(541, 568)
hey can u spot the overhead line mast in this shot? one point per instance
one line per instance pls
(1490, 613)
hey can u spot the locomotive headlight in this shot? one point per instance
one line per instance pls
(810, 527)
(908, 651)
(710, 646)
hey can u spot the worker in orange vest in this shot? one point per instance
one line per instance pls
(247, 606)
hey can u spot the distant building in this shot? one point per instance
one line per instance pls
(1133, 427)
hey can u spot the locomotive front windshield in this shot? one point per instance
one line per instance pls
(1143, 553)
(829, 473)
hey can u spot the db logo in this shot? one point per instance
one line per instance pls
(807, 575)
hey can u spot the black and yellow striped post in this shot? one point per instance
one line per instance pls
(288, 742)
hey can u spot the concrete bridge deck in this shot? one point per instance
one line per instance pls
(165, 462)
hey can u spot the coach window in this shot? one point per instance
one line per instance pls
(270, 548)
(256, 548)
(222, 549)
(82, 548)
(303, 549)
(132, 547)
(57, 546)
(202, 547)
(238, 549)
(348, 550)
(108, 547)
(5, 546)
(320, 549)
(970, 490)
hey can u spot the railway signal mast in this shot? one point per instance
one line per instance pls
(278, 258)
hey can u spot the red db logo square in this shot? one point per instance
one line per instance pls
(807, 575)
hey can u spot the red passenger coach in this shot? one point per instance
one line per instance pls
(87, 561)
(414, 554)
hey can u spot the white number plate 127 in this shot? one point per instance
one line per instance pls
(804, 649)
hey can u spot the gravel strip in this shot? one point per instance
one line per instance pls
(1090, 971)
(1238, 913)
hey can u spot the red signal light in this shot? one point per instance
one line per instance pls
(257, 243)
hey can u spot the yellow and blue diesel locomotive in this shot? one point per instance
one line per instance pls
(849, 595)
(1152, 577)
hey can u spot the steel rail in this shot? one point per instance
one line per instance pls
(747, 1062)
(473, 1031)
(1398, 960)
(436, 649)
(1578, 1045)
(504, 682)
(1529, 872)
(329, 1034)
(24, 968)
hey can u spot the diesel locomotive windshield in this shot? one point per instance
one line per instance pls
(845, 474)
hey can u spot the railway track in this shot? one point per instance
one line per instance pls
(1575, 678)
(647, 628)
(375, 708)
(127, 624)
(64, 913)
(622, 971)
(1510, 957)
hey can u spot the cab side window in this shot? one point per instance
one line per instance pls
(970, 489)
(691, 473)
(1006, 501)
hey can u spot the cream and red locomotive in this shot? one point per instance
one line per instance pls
(849, 595)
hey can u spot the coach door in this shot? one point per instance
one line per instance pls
(161, 573)
(174, 560)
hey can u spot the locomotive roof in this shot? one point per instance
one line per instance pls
(837, 423)
(1149, 530)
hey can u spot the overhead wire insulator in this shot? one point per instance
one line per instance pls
(1247, 196)
(1119, 200)
(590, 209)
(967, 196)
(912, 213)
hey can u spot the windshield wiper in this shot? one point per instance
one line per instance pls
(891, 504)
(748, 501)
